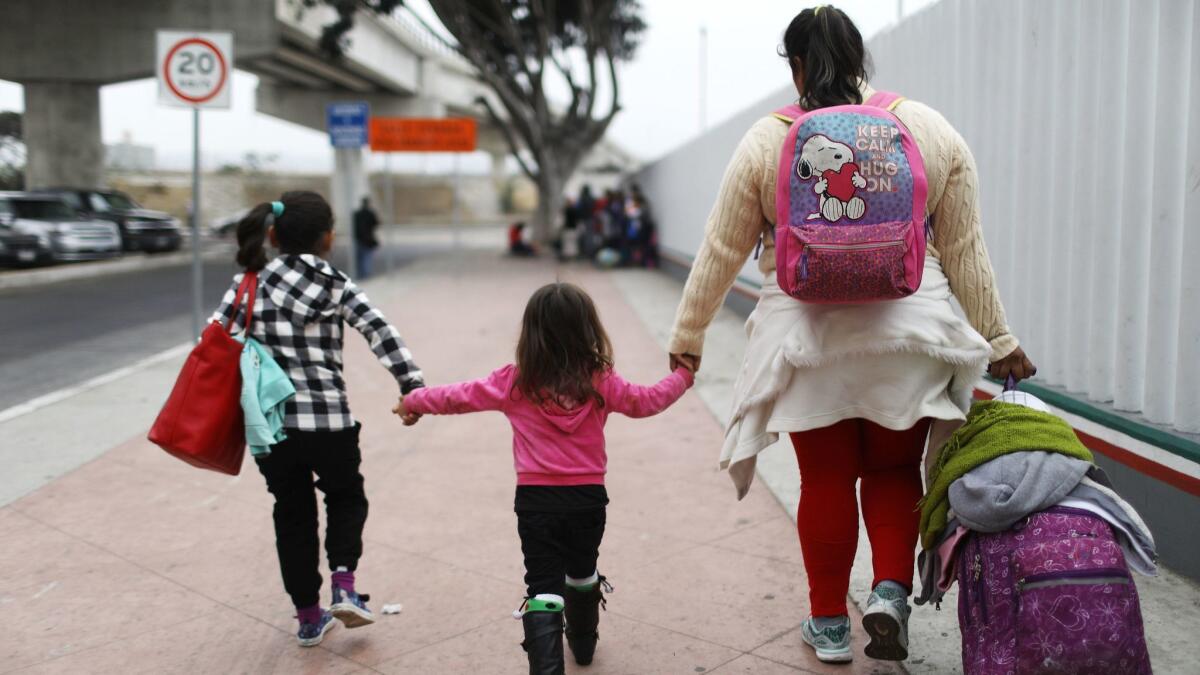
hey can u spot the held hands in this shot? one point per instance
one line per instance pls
(689, 361)
(409, 418)
(1016, 364)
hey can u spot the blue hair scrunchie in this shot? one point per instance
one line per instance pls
(277, 209)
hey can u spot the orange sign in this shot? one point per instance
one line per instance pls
(412, 134)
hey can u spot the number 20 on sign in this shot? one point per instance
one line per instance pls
(194, 69)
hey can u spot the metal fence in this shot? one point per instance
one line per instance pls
(1084, 118)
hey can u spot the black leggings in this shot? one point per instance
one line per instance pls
(557, 545)
(334, 457)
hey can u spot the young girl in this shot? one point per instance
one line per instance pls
(557, 397)
(300, 308)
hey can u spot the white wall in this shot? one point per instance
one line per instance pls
(1084, 117)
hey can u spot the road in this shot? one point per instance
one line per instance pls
(60, 335)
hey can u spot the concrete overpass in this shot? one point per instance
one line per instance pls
(63, 51)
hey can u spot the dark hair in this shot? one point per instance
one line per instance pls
(562, 348)
(826, 44)
(306, 217)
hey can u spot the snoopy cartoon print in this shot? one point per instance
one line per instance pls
(838, 179)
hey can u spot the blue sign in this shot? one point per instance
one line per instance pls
(347, 124)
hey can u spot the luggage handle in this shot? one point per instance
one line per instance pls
(248, 281)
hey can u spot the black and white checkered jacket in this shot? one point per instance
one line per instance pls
(299, 311)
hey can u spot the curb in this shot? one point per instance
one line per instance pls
(100, 268)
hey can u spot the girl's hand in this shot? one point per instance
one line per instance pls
(689, 361)
(1016, 364)
(409, 418)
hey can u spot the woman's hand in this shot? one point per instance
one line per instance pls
(1016, 364)
(689, 361)
(409, 418)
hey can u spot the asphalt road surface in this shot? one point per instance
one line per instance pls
(60, 335)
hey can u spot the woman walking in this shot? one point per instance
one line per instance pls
(855, 385)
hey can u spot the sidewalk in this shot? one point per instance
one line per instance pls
(137, 563)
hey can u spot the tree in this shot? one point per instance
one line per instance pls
(516, 47)
(12, 151)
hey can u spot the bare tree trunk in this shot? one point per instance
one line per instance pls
(550, 185)
(552, 175)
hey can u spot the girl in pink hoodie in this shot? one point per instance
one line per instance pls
(557, 396)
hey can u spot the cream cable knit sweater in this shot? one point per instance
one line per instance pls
(745, 211)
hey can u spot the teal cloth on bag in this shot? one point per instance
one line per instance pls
(265, 389)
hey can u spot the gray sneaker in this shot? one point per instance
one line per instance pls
(831, 642)
(886, 621)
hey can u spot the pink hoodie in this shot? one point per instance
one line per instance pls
(553, 445)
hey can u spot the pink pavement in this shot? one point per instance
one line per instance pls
(136, 562)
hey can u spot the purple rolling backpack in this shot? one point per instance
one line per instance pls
(850, 204)
(1052, 594)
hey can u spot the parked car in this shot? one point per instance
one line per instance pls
(16, 248)
(225, 226)
(141, 228)
(61, 234)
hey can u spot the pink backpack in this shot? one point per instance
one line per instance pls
(850, 204)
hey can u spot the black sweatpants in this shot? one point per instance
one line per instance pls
(557, 545)
(334, 457)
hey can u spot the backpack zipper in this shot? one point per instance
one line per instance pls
(864, 246)
(1074, 578)
(981, 589)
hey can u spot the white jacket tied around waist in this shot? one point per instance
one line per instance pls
(809, 366)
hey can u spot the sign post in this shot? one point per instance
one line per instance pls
(194, 70)
(347, 125)
(411, 134)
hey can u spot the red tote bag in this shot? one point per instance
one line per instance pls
(201, 422)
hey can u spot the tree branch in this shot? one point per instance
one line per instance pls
(508, 137)
(589, 16)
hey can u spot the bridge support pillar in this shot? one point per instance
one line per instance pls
(62, 135)
(348, 185)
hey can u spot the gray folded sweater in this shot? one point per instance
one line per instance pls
(993, 496)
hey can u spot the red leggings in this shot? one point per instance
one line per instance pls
(831, 460)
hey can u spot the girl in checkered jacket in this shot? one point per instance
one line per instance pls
(301, 308)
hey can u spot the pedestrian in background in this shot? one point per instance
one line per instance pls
(856, 386)
(366, 223)
(301, 306)
(557, 397)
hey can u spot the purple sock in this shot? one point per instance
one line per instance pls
(344, 580)
(309, 614)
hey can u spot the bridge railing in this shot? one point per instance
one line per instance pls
(1084, 119)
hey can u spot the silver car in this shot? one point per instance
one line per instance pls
(62, 235)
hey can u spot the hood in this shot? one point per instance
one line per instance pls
(566, 419)
(304, 288)
(146, 214)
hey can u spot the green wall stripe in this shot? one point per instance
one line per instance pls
(1165, 440)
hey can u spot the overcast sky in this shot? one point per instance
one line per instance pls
(660, 89)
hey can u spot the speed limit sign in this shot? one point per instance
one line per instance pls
(194, 69)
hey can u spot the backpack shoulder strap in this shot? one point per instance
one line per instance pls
(888, 100)
(788, 113)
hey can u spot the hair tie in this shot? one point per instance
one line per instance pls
(277, 208)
